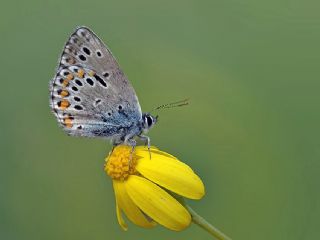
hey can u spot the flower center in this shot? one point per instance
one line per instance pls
(121, 163)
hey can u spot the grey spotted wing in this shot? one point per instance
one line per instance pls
(90, 95)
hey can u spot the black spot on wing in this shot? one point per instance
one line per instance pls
(86, 50)
(100, 80)
(89, 81)
(78, 82)
(99, 53)
(74, 88)
(78, 107)
(82, 58)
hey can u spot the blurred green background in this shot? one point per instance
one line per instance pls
(251, 69)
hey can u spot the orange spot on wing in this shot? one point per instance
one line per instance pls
(68, 122)
(91, 73)
(69, 77)
(65, 83)
(64, 104)
(64, 93)
(80, 73)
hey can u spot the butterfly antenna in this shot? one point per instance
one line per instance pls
(180, 103)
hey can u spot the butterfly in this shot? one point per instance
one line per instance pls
(91, 97)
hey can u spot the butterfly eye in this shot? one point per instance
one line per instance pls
(149, 121)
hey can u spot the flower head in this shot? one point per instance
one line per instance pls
(144, 188)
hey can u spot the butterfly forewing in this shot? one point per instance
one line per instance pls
(90, 95)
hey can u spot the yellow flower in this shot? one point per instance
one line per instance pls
(144, 188)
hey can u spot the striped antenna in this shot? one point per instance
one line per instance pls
(173, 104)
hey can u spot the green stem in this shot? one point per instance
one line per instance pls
(200, 221)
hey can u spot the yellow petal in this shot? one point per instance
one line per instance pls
(168, 172)
(157, 203)
(121, 221)
(131, 210)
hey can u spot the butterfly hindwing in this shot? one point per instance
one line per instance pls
(90, 95)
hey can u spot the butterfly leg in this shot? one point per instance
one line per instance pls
(114, 143)
(146, 140)
(113, 147)
(131, 142)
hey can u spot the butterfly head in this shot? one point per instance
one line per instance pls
(148, 121)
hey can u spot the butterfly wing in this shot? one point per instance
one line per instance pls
(90, 95)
